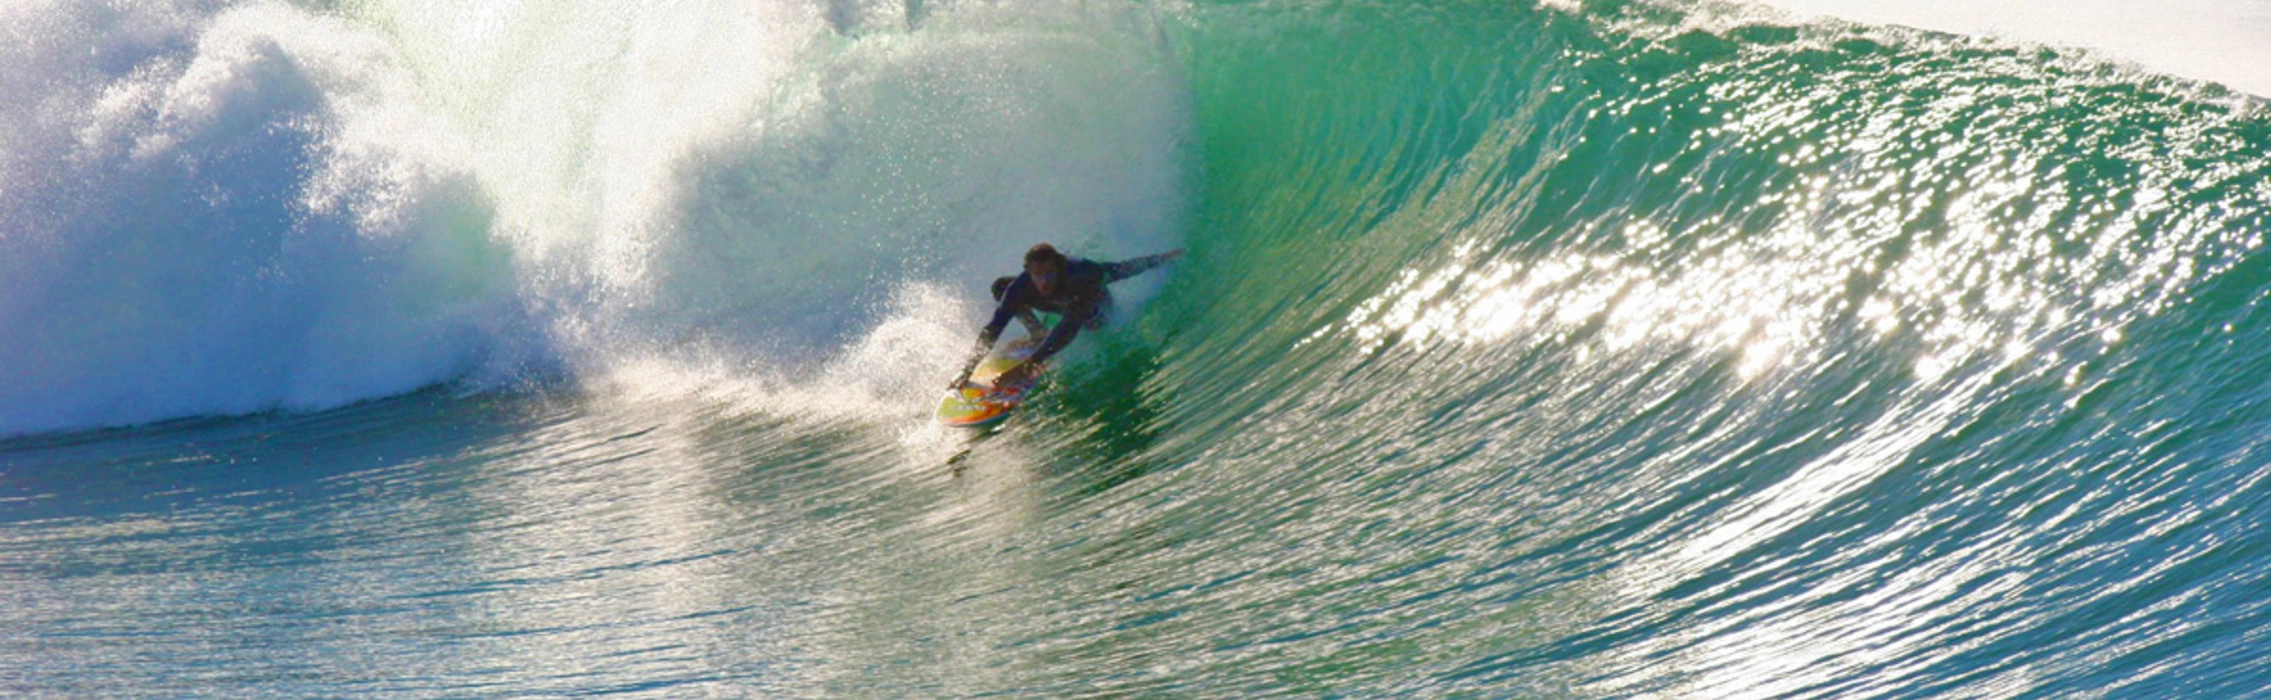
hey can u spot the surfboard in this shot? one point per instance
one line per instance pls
(983, 401)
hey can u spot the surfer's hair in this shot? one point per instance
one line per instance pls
(1044, 253)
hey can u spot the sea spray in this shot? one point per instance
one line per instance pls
(230, 213)
(238, 207)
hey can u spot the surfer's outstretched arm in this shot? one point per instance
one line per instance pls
(1114, 272)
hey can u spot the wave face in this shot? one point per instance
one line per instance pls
(1600, 349)
(1691, 356)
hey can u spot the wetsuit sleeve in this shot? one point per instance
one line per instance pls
(1114, 272)
(1033, 325)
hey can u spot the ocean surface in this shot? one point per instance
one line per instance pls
(1568, 349)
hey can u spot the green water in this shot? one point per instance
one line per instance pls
(1606, 350)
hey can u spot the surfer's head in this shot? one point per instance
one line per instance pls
(1044, 264)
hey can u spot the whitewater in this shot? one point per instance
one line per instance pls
(436, 348)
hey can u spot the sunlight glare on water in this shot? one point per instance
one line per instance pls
(1584, 350)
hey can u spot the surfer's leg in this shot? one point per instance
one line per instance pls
(1098, 315)
(1067, 328)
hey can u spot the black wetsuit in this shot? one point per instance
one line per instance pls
(1081, 299)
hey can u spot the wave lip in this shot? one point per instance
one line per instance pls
(2222, 42)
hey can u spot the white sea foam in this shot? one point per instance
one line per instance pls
(239, 207)
(224, 213)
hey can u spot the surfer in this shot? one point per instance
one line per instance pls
(1072, 288)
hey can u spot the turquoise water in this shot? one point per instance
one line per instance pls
(1578, 350)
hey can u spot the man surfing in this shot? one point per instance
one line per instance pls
(1072, 288)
